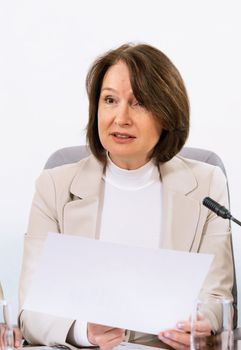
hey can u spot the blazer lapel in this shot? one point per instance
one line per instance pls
(180, 212)
(81, 214)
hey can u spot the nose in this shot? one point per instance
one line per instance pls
(123, 116)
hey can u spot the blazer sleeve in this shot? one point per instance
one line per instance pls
(216, 240)
(40, 328)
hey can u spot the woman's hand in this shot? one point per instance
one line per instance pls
(105, 337)
(16, 335)
(180, 338)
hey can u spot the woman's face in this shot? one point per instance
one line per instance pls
(126, 129)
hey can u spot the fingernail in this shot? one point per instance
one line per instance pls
(17, 343)
(180, 325)
(167, 335)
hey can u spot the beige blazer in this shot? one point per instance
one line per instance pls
(67, 199)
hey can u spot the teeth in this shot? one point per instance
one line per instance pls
(122, 136)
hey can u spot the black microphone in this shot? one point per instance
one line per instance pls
(219, 209)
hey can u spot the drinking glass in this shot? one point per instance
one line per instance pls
(6, 329)
(222, 337)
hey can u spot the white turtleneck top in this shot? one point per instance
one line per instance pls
(130, 214)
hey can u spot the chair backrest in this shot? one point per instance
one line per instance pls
(75, 153)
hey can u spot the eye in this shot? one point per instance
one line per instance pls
(136, 103)
(109, 100)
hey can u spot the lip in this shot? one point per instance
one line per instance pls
(115, 133)
(122, 137)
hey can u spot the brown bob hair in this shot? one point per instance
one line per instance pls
(156, 84)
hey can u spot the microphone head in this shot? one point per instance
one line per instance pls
(216, 208)
(210, 203)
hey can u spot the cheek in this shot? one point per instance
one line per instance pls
(156, 131)
(101, 123)
(100, 117)
(102, 126)
(104, 120)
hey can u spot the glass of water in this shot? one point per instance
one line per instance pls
(6, 328)
(221, 338)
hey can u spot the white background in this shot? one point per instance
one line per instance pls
(46, 48)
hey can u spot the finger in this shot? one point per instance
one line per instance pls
(203, 326)
(95, 330)
(181, 338)
(17, 337)
(104, 336)
(174, 344)
(114, 333)
(111, 343)
(2, 331)
(184, 326)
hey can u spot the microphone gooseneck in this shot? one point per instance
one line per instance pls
(219, 209)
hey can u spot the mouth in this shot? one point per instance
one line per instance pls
(122, 136)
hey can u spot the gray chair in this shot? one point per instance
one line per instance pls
(75, 153)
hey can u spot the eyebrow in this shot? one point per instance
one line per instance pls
(108, 89)
(113, 90)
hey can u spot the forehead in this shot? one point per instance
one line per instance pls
(116, 76)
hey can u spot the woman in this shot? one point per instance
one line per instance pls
(133, 189)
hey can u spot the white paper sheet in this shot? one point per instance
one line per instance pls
(141, 289)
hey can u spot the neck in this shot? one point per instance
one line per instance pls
(127, 163)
